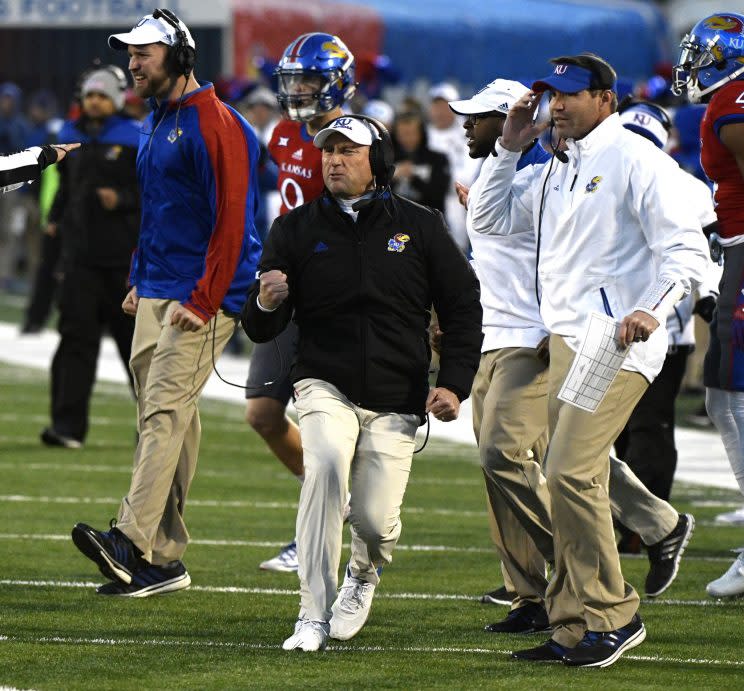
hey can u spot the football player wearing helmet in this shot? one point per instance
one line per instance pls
(711, 66)
(316, 77)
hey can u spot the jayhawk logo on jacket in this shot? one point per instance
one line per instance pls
(398, 242)
(593, 184)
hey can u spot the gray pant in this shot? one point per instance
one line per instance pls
(342, 442)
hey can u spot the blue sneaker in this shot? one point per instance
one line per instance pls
(603, 648)
(550, 651)
(150, 580)
(114, 553)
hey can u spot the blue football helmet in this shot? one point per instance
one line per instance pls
(315, 74)
(712, 55)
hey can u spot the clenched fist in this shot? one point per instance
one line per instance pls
(274, 289)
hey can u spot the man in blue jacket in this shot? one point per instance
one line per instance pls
(195, 260)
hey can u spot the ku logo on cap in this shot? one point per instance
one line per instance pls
(560, 69)
(342, 124)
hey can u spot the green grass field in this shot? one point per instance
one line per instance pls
(426, 626)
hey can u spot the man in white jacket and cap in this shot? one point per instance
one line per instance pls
(614, 235)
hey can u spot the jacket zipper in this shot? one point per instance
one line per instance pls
(363, 365)
(606, 303)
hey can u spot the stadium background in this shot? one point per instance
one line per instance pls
(47, 43)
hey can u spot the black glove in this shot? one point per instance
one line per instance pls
(705, 308)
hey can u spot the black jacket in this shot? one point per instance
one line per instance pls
(362, 294)
(92, 235)
(431, 178)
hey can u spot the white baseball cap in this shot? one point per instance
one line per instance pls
(499, 96)
(379, 110)
(150, 30)
(350, 127)
(445, 91)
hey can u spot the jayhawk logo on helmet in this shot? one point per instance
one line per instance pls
(334, 50)
(724, 22)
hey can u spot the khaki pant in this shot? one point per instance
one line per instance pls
(342, 442)
(170, 368)
(510, 415)
(510, 420)
(587, 590)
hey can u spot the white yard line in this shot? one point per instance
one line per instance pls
(453, 650)
(286, 592)
(214, 503)
(47, 537)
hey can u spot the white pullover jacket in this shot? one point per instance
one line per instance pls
(505, 266)
(615, 233)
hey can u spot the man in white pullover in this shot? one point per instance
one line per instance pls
(510, 395)
(615, 236)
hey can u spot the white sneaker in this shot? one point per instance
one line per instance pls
(285, 561)
(731, 518)
(731, 584)
(308, 636)
(351, 608)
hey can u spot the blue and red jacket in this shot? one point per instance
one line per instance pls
(198, 242)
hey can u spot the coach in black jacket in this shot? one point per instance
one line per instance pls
(361, 268)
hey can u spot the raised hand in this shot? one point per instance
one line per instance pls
(520, 128)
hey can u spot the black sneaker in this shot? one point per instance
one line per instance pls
(113, 552)
(665, 556)
(603, 648)
(50, 437)
(500, 596)
(529, 618)
(150, 580)
(550, 651)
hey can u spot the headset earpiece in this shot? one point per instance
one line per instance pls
(181, 56)
(381, 153)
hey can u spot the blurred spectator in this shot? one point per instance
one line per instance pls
(687, 120)
(380, 110)
(14, 131)
(261, 109)
(42, 251)
(97, 214)
(446, 136)
(135, 106)
(421, 174)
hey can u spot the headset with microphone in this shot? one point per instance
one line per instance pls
(181, 56)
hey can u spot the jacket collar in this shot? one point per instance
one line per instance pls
(606, 131)
(204, 93)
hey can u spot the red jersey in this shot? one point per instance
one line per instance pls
(726, 106)
(299, 161)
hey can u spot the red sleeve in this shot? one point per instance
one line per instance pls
(227, 150)
(727, 106)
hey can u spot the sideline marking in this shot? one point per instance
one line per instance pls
(334, 648)
(401, 548)
(214, 503)
(243, 590)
